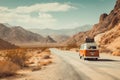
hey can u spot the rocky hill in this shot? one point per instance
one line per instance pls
(17, 34)
(60, 38)
(6, 45)
(50, 40)
(110, 40)
(106, 22)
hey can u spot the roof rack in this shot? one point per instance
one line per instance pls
(89, 40)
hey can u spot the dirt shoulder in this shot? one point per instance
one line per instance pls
(58, 70)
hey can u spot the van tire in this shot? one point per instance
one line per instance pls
(80, 57)
(96, 58)
(85, 58)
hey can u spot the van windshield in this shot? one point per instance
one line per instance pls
(92, 47)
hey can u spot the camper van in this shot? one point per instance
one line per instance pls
(89, 50)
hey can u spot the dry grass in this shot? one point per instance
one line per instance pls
(45, 62)
(14, 59)
(39, 57)
(104, 49)
(36, 68)
(46, 57)
(118, 48)
(45, 54)
(18, 56)
(75, 49)
(8, 68)
(116, 53)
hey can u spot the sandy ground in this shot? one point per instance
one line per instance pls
(68, 66)
(58, 70)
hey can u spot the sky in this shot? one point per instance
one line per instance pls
(53, 14)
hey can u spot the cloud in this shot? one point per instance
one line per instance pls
(46, 7)
(43, 19)
(22, 15)
(3, 9)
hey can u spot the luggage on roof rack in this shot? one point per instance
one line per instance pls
(89, 40)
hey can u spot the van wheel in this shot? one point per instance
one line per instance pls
(96, 58)
(85, 59)
(80, 57)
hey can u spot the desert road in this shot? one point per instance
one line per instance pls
(106, 68)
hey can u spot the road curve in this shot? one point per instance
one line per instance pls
(106, 68)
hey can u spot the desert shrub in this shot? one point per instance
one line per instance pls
(74, 49)
(70, 46)
(7, 68)
(39, 52)
(116, 53)
(43, 48)
(47, 50)
(105, 50)
(45, 62)
(18, 56)
(36, 68)
(118, 48)
(45, 56)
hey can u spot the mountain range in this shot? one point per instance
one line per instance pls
(61, 35)
(66, 32)
(17, 34)
(60, 38)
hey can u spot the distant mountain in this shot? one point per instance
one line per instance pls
(17, 34)
(68, 32)
(7, 25)
(6, 45)
(49, 39)
(60, 38)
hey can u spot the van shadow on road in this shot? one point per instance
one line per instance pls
(104, 60)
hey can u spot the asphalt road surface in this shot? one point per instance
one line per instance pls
(107, 67)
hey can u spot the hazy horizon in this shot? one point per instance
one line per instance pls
(53, 14)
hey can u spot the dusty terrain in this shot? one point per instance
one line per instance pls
(17, 62)
(53, 71)
(68, 66)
